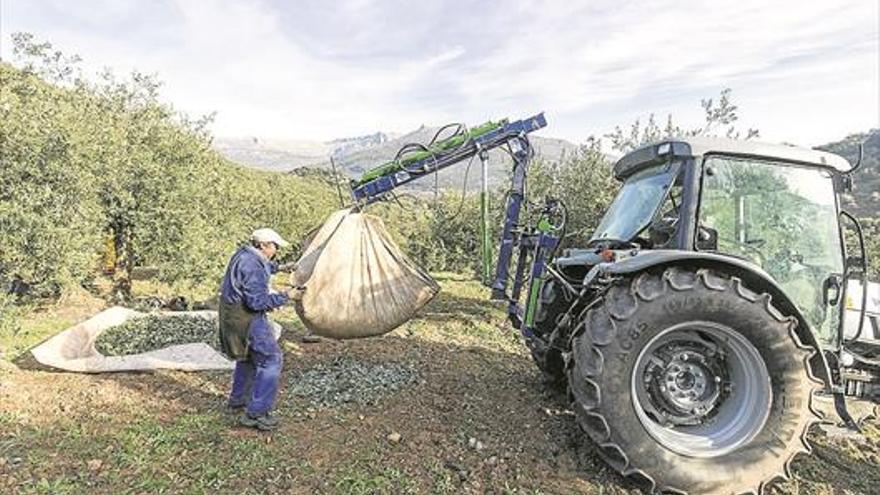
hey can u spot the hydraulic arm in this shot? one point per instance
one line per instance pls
(377, 182)
(535, 243)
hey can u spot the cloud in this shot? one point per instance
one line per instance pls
(801, 72)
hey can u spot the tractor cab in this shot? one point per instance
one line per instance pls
(773, 207)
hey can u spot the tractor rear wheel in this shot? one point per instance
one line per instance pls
(692, 383)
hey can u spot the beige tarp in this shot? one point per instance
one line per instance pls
(358, 282)
(74, 349)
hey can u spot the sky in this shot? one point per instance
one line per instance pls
(800, 72)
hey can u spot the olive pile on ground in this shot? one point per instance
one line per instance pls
(347, 380)
(150, 333)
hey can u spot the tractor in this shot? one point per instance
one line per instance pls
(697, 325)
(695, 329)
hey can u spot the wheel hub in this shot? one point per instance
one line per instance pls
(685, 384)
(701, 389)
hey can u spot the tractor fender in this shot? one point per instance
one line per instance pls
(752, 275)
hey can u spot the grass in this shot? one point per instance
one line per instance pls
(191, 453)
(365, 480)
(41, 321)
(462, 313)
(442, 480)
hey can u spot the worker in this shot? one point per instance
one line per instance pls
(246, 333)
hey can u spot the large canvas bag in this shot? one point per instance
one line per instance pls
(358, 282)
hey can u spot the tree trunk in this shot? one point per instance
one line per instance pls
(124, 261)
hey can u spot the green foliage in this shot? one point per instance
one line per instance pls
(40, 59)
(583, 181)
(85, 162)
(871, 231)
(10, 317)
(872, 247)
(50, 222)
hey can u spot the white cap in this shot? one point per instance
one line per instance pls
(268, 235)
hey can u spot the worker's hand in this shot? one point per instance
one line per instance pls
(296, 293)
(287, 267)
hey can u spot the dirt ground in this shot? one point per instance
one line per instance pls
(479, 420)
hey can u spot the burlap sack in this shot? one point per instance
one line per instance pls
(358, 282)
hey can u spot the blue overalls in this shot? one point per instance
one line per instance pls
(245, 288)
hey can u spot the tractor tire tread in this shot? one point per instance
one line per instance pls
(600, 327)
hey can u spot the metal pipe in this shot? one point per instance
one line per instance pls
(486, 247)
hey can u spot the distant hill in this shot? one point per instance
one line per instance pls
(281, 155)
(354, 156)
(864, 201)
(274, 155)
(345, 146)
